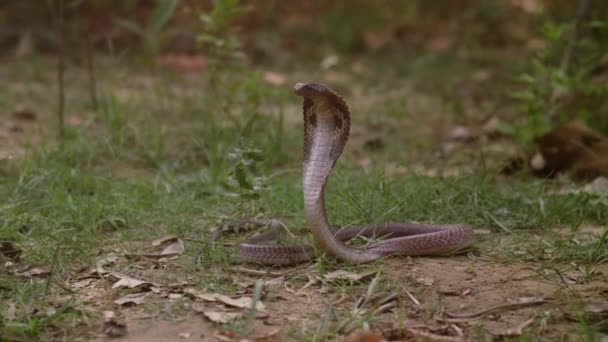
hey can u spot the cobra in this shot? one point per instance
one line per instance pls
(326, 130)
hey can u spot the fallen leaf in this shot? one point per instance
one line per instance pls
(346, 275)
(221, 316)
(128, 282)
(596, 312)
(35, 272)
(164, 239)
(110, 260)
(83, 283)
(426, 281)
(178, 247)
(131, 299)
(241, 302)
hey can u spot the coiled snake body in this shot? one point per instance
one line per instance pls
(326, 130)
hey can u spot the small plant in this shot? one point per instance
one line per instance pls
(541, 86)
(150, 34)
(554, 77)
(219, 35)
(244, 178)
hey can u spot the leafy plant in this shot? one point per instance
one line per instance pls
(552, 79)
(219, 35)
(150, 34)
(245, 178)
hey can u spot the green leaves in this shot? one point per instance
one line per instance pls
(218, 36)
(244, 176)
(151, 33)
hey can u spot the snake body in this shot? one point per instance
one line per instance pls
(326, 130)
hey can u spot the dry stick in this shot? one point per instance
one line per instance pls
(61, 65)
(91, 71)
(583, 10)
(475, 314)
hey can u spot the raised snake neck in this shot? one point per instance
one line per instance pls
(326, 130)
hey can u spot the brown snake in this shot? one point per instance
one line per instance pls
(326, 130)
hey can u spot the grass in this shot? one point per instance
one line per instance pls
(67, 204)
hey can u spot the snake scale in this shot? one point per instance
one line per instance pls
(326, 130)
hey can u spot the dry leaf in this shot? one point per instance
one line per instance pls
(178, 247)
(597, 311)
(346, 275)
(164, 239)
(35, 272)
(128, 282)
(221, 316)
(175, 296)
(241, 302)
(110, 260)
(82, 283)
(426, 281)
(131, 299)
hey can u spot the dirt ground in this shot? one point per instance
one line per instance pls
(447, 299)
(479, 296)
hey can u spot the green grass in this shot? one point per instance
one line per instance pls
(57, 200)
(154, 165)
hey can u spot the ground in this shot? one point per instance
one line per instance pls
(108, 235)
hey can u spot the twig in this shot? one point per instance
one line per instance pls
(583, 10)
(535, 301)
(91, 72)
(61, 65)
(409, 294)
(384, 308)
(257, 273)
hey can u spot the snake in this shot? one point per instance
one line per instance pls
(326, 130)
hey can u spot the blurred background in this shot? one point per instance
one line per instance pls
(122, 121)
(440, 77)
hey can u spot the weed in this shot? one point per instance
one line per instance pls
(549, 82)
(219, 34)
(150, 34)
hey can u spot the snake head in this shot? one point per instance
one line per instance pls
(314, 91)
